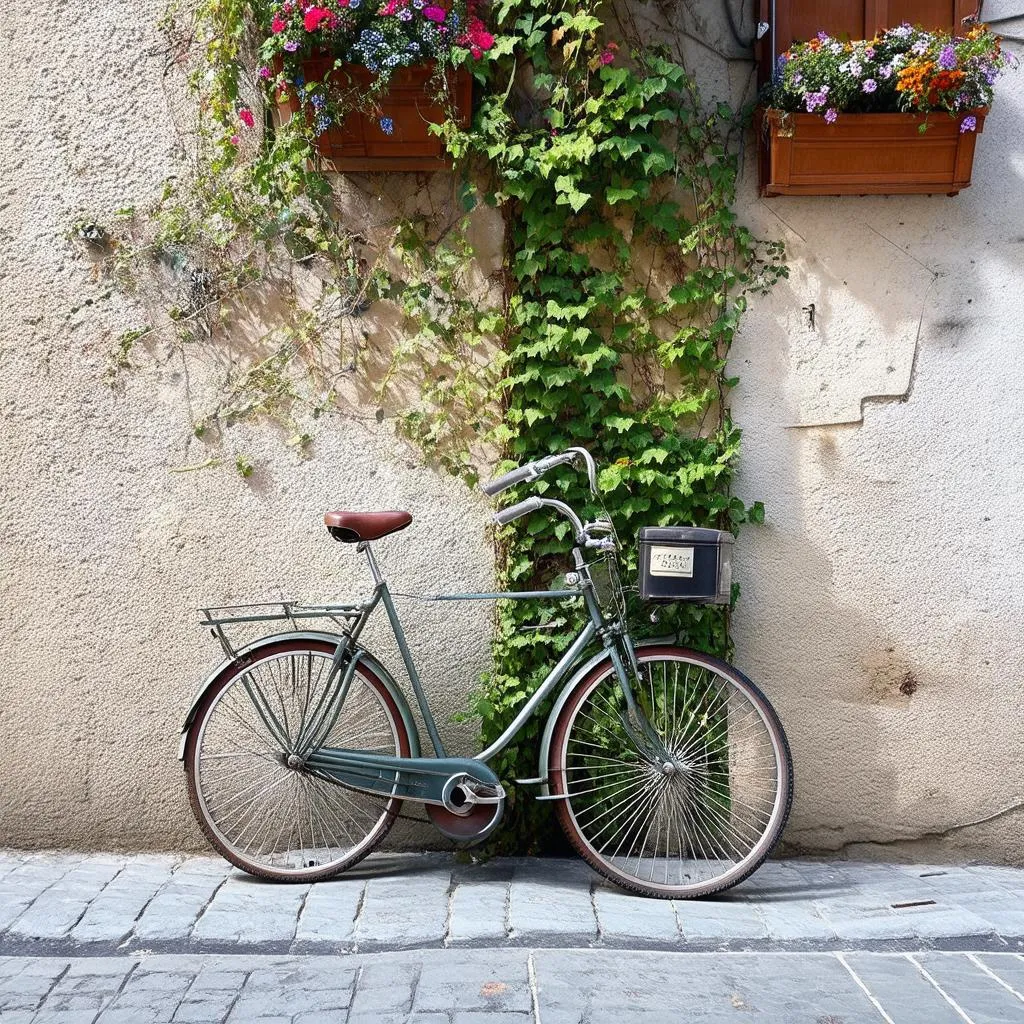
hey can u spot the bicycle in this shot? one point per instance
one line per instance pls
(670, 771)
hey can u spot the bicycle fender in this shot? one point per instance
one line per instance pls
(394, 690)
(601, 660)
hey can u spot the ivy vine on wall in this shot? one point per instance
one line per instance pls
(624, 277)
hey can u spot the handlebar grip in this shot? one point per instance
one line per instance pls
(507, 515)
(502, 483)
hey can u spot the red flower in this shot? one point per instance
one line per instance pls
(476, 37)
(278, 24)
(316, 16)
(246, 115)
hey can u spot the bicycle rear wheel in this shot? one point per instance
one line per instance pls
(262, 809)
(697, 824)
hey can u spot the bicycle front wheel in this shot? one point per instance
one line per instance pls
(691, 825)
(251, 793)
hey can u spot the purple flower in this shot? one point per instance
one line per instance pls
(885, 71)
(387, 126)
(870, 85)
(291, 46)
(920, 47)
(264, 72)
(869, 52)
(813, 100)
(854, 68)
(822, 37)
(902, 31)
(797, 78)
(968, 124)
(830, 115)
(405, 14)
(947, 57)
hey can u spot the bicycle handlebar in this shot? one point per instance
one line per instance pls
(513, 512)
(535, 470)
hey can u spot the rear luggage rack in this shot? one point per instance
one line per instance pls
(215, 619)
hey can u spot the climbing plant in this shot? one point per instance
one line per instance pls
(625, 273)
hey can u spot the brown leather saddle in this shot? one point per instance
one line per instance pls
(352, 527)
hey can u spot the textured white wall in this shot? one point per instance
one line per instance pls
(890, 557)
(106, 551)
(883, 601)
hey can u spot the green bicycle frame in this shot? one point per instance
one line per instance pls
(425, 778)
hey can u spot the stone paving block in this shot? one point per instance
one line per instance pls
(644, 987)
(773, 880)
(329, 913)
(901, 989)
(795, 922)
(150, 994)
(1011, 879)
(868, 919)
(295, 985)
(474, 980)
(478, 912)
(24, 884)
(66, 900)
(111, 915)
(943, 922)
(249, 912)
(24, 983)
(1004, 913)
(385, 987)
(172, 912)
(404, 911)
(626, 920)
(86, 988)
(1008, 966)
(477, 1017)
(717, 921)
(550, 902)
(981, 997)
(953, 883)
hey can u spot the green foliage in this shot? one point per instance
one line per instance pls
(629, 276)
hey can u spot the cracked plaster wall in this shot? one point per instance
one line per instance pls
(882, 600)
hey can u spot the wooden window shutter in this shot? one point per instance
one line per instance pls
(802, 19)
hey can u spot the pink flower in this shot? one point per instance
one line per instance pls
(278, 24)
(264, 72)
(437, 14)
(476, 37)
(830, 115)
(234, 140)
(246, 116)
(607, 57)
(316, 16)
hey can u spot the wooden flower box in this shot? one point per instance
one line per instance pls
(864, 154)
(359, 143)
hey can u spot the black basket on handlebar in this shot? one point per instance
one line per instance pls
(685, 563)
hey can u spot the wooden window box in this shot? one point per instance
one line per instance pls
(360, 144)
(864, 154)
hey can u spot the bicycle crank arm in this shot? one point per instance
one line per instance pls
(455, 783)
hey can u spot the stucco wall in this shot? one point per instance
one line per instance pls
(888, 560)
(883, 601)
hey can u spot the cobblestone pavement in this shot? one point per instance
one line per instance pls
(103, 904)
(426, 940)
(517, 986)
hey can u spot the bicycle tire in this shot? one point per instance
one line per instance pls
(594, 763)
(293, 673)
